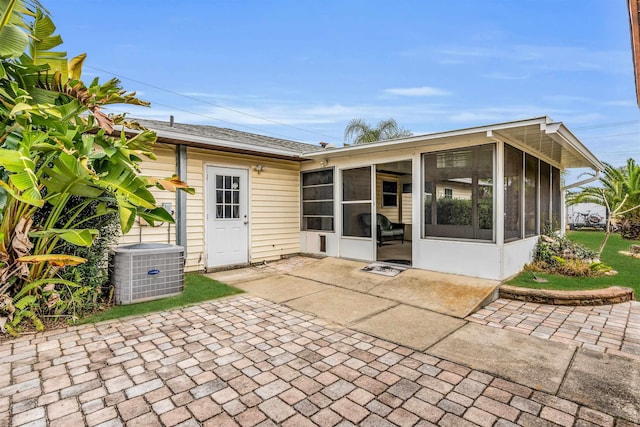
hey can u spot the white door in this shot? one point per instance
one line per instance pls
(227, 216)
(358, 218)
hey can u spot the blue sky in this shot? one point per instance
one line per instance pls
(301, 69)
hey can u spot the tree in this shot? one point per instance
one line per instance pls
(59, 156)
(619, 192)
(362, 133)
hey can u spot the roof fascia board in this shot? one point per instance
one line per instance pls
(224, 143)
(180, 138)
(481, 130)
(567, 139)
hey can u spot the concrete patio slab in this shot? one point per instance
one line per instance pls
(239, 275)
(280, 288)
(449, 294)
(530, 361)
(340, 305)
(410, 326)
(606, 382)
(343, 273)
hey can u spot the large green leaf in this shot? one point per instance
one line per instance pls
(13, 41)
(43, 41)
(27, 183)
(69, 176)
(127, 215)
(28, 197)
(83, 237)
(126, 186)
(157, 214)
(14, 161)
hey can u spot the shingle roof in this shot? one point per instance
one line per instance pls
(216, 136)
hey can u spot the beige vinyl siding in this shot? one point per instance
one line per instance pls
(274, 205)
(458, 190)
(163, 167)
(390, 212)
(275, 212)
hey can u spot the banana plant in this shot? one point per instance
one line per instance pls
(56, 144)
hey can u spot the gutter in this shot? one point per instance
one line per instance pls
(583, 182)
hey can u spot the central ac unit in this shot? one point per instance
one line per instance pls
(147, 271)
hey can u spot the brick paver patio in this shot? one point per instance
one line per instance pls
(605, 328)
(246, 361)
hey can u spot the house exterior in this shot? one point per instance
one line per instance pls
(472, 201)
(252, 179)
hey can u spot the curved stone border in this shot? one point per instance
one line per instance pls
(610, 295)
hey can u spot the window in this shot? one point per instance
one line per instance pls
(227, 197)
(389, 194)
(536, 183)
(317, 200)
(556, 199)
(545, 196)
(530, 196)
(467, 173)
(513, 169)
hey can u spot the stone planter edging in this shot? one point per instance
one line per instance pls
(610, 295)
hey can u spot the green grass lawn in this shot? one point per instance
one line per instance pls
(197, 288)
(628, 268)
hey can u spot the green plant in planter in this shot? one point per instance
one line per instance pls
(558, 254)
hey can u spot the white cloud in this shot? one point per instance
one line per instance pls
(621, 103)
(505, 76)
(417, 91)
(540, 57)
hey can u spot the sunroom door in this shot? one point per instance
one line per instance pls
(358, 218)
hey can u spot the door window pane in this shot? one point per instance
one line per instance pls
(356, 184)
(356, 219)
(227, 197)
(356, 202)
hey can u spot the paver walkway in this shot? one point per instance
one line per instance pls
(607, 328)
(246, 361)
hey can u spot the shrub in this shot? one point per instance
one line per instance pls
(560, 255)
(454, 211)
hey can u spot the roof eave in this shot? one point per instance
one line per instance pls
(219, 143)
(181, 138)
(555, 130)
(571, 142)
(379, 146)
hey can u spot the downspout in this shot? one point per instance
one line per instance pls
(181, 199)
(583, 182)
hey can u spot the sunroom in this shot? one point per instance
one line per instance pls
(470, 201)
